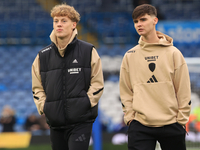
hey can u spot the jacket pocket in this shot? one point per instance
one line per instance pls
(54, 112)
(155, 98)
(77, 109)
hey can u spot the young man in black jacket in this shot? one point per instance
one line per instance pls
(67, 82)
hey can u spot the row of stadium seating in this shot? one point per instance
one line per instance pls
(28, 23)
(22, 10)
(31, 9)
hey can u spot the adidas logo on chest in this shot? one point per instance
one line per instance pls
(75, 61)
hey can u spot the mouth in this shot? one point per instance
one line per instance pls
(59, 30)
(140, 30)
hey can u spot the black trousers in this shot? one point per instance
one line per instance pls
(170, 137)
(73, 138)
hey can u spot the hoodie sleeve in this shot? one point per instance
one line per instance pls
(97, 82)
(126, 92)
(182, 88)
(39, 95)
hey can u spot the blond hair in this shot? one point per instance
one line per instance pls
(65, 10)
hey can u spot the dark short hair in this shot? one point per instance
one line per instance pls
(143, 9)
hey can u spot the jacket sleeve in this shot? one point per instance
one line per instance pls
(97, 82)
(182, 88)
(39, 95)
(126, 92)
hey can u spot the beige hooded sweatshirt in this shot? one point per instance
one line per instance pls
(155, 84)
(97, 81)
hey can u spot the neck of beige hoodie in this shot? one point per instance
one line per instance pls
(164, 40)
(54, 40)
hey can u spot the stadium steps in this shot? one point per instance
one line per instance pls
(48, 5)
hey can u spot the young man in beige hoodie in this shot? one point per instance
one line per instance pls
(67, 82)
(154, 87)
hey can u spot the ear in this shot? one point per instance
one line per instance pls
(155, 20)
(74, 25)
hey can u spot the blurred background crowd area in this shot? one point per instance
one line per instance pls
(25, 26)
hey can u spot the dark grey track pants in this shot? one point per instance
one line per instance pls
(73, 138)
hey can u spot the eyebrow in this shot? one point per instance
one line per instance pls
(60, 19)
(141, 18)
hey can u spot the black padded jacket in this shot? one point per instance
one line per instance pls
(66, 81)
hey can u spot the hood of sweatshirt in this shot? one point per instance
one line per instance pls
(165, 40)
(54, 40)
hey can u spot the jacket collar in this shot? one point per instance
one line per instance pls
(71, 41)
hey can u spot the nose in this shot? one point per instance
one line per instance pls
(139, 23)
(59, 23)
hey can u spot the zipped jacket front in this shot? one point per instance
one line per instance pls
(66, 81)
